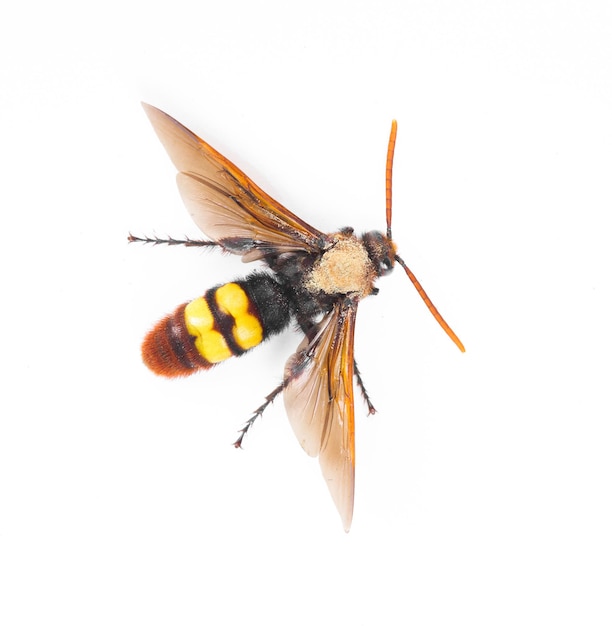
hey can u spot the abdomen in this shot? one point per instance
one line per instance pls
(226, 321)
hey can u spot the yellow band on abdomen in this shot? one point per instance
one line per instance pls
(200, 324)
(232, 300)
(247, 330)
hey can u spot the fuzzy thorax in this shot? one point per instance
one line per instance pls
(344, 268)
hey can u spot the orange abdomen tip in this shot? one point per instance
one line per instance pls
(169, 350)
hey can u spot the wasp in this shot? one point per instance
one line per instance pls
(309, 278)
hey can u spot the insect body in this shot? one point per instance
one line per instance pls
(309, 277)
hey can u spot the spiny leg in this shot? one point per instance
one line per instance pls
(364, 393)
(301, 358)
(258, 413)
(171, 241)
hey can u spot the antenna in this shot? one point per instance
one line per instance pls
(389, 196)
(389, 174)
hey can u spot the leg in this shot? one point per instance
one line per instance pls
(295, 366)
(258, 413)
(364, 393)
(172, 242)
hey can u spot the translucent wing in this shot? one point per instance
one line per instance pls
(320, 404)
(225, 204)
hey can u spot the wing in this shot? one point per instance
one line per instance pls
(225, 204)
(320, 404)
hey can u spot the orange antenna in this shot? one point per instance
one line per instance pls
(388, 188)
(430, 305)
(389, 174)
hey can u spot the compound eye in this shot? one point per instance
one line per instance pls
(386, 265)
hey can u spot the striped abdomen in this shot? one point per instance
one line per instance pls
(226, 321)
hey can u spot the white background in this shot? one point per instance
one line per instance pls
(484, 483)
